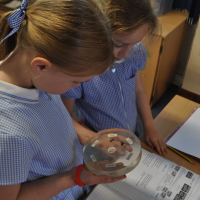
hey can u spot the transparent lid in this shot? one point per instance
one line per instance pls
(112, 152)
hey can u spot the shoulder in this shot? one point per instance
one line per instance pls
(16, 118)
(73, 93)
(137, 58)
(138, 51)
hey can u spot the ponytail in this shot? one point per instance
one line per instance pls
(9, 44)
(74, 35)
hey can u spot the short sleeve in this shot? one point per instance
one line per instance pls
(143, 57)
(73, 93)
(139, 56)
(15, 159)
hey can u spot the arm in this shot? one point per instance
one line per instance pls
(83, 132)
(47, 188)
(151, 135)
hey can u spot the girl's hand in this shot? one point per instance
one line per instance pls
(89, 178)
(154, 140)
(113, 145)
(102, 165)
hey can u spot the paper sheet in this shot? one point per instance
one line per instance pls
(149, 173)
(104, 192)
(187, 138)
(128, 191)
(195, 195)
(153, 178)
(177, 184)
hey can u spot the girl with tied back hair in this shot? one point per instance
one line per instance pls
(46, 49)
(112, 99)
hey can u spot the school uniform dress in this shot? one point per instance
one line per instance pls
(37, 138)
(108, 100)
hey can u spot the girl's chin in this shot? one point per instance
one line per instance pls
(118, 59)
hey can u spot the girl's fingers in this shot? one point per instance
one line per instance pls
(116, 166)
(123, 147)
(163, 146)
(156, 144)
(125, 140)
(116, 147)
(106, 179)
(90, 178)
(117, 179)
(112, 152)
(150, 143)
(101, 163)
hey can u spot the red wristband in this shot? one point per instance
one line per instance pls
(77, 176)
(80, 122)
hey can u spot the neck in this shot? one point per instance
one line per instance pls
(16, 68)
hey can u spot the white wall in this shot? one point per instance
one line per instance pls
(185, 54)
(191, 79)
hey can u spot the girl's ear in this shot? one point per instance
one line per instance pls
(39, 64)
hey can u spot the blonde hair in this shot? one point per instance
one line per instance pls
(129, 15)
(73, 35)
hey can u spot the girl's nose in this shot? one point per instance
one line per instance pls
(126, 51)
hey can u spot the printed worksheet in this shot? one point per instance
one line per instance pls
(154, 178)
(177, 184)
(149, 173)
(195, 194)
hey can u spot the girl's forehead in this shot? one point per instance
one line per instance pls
(123, 36)
(131, 36)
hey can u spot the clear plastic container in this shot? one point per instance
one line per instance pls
(161, 6)
(112, 152)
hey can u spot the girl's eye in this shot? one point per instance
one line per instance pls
(118, 46)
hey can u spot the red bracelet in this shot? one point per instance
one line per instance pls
(77, 176)
(80, 122)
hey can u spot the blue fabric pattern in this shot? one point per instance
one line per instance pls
(16, 19)
(101, 102)
(37, 138)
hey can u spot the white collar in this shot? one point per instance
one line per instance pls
(19, 94)
(120, 61)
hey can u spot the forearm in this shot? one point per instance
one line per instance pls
(152, 136)
(82, 131)
(41, 189)
(142, 102)
(47, 188)
(144, 109)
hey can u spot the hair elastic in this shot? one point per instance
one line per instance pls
(77, 176)
(80, 122)
(16, 19)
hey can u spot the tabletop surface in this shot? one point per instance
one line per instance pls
(170, 20)
(175, 111)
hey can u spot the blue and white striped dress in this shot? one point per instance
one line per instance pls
(37, 138)
(108, 100)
